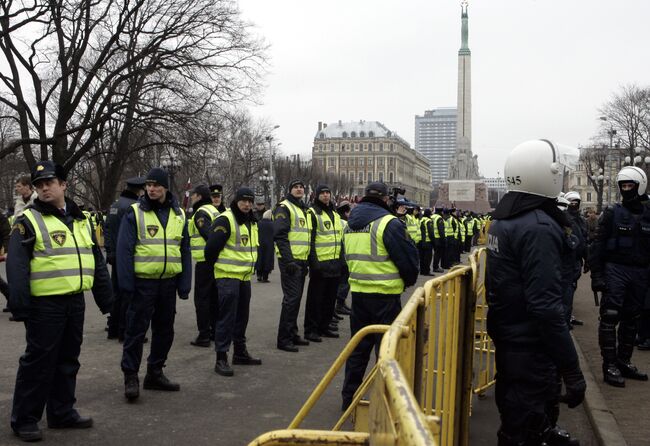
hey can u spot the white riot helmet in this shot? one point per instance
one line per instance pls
(535, 167)
(635, 175)
(562, 202)
(572, 195)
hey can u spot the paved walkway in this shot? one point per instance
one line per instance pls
(630, 405)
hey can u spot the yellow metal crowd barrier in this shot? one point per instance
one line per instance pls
(432, 359)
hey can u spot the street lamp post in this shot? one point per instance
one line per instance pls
(269, 139)
(611, 132)
(265, 179)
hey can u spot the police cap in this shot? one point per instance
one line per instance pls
(376, 189)
(216, 189)
(135, 182)
(45, 170)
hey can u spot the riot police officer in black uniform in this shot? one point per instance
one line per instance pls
(619, 259)
(526, 316)
(134, 189)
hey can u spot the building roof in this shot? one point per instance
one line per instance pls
(358, 129)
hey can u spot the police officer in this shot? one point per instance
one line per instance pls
(526, 317)
(426, 243)
(325, 266)
(205, 291)
(232, 249)
(619, 259)
(449, 258)
(579, 229)
(382, 261)
(134, 189)
(216, 191)
(341, 309)
(54, 259)
(438, 227)
(155, 263)
(292, 237)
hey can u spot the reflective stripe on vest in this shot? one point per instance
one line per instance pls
(371, 269)
(158, 252)
(197, 242)
(300, 233)
(238, 257)
(329, 235)
(66, 266)
(424, 221)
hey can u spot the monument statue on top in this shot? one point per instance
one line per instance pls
(464, 165)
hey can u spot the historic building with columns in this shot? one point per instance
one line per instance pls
(366, 151)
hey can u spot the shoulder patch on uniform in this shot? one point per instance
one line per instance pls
(200, 223)
(220, 229)
(19, 227)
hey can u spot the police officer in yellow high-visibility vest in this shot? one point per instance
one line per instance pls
(155, 263)
(382, 261)
(426, 243)
(326, 265)
(53, 259)
(449, 257)
(205, 292)
(232, 249)
(439, 244)
(292, 236)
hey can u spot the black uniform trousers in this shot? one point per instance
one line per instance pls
(449, 258)
(234, 309)
(321, 300)
(154, 302)
(117, 316)
(4, 288)
(625, 295)
(47, 371)
(292, 288)
(343, 290)
(205, 299)
(426, 254)
(438, 253)
(367, 309)
(526, 394)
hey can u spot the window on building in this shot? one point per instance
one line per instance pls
(391, 147)
(369, 161)
(388, 133)
(360, 177)
(322, 135)
(370, 147)
(361, 161)
(381, 147)
(369, 177)
(331, 162)
(390, 177)
(345, 134)
(332, 147)
(381, 176)
(351, 177)
(353, 135)
(579, 181)
(362, 134)
(588, 196)
(371, 134)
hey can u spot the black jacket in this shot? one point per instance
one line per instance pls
(282, 226)
(524, 287)
(128, 238)
(401, 249)
(21, 249)
(5, 230)
(113, 221)
(329, 268)
(265, 252)
(220, 232)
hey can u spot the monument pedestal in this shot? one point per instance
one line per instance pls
(466, 195)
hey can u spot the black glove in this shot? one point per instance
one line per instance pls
(292, 268)
(110, 259)
(183, 296)
(598, 283)
(574, 385)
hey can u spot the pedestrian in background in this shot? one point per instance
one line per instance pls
(25, 195)
(265, 253)
(54, 259)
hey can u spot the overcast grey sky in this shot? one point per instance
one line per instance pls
(540, 68)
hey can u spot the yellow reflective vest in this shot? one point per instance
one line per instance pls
(158, 248)
(63, 260)
(424, 222)
(197, 242)
(300, 233)
(328, 235)
(371, 269)
(413, 228)
(434, 223)
(238, 257)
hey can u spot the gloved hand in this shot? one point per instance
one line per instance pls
(292, 268)
(183, 296)
(110, 259)
(598, 283)
(574, 385)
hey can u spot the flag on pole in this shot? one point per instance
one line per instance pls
(186, 197)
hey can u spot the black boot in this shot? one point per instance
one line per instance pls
(131, 386)
(242, 357)
(612, 375)
(559, 437)
(628, 370)
(155, 379)
(222, 367)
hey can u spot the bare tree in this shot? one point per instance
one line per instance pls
(73, 68)
(594, 159)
